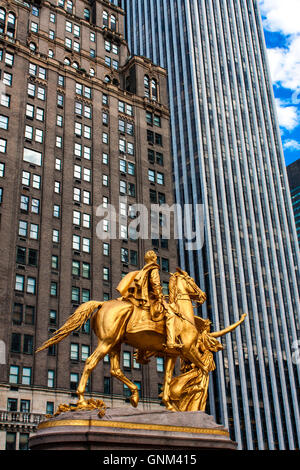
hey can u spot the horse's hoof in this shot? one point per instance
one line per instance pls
(82, 404)
(134, 399)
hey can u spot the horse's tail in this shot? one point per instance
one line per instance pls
(81, 315)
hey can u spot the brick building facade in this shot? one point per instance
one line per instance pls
(81, 123)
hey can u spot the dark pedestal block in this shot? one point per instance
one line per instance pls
(130, 429)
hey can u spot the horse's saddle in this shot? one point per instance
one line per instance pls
(140, 320)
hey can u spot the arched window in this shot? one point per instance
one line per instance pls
(32, 46)
(92, 72)
(75, 65)
(147, 86)
(86, 14)
(105, 18)
(2, 20)
(67, 61)
(50, 53)
(113, 23)
(11, 25)
(154, 90)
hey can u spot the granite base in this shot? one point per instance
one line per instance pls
(130, 429)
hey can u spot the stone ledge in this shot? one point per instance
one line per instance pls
(131, 429)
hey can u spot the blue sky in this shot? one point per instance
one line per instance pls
(281, 21)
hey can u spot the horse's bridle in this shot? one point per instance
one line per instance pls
(180, 296)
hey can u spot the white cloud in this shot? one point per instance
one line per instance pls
(285, 64)
(281, 15)
(288, 116)
(291, 145)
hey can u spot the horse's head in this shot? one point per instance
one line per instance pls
(185, 284)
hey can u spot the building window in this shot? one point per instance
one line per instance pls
(124, 255)
(86, 245)
(75, 294)
(106, 274)
(113, 23)
(74, 379)
(26, 376)
(86, 295)
(53, 289)
(5, 100)
(105, 249)
(86, 14)
(165, 265)
(22, 228)
(86, 220)
(127, 360)
(85, 352)
(3, 122)
(31, 156)
(160, 364)
(12, 404)
(50, 408)
(74, 352)
(15, 343)
(29, 315)
(25, 406)
(52, 317)
(76, 242)
(14, 374)
(107, 388)
(34, 231)
(55, 236)
(56, 210)
(160, 179)
(31, 285)
(75, 268)
(11, 439)
(3, 145)
(86, 270)
(28, 344)
(19, 284)
(50, 381)
(17, 314)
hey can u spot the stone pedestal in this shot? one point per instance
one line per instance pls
(131, 429)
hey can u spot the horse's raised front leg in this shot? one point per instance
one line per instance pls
(169, 368)
(102, 349)
(116, 371)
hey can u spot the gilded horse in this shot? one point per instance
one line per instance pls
(112, 322)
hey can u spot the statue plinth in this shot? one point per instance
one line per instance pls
(129, 429)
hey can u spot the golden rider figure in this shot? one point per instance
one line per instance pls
(143, 289)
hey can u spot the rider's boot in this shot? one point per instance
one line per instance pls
(171, 336)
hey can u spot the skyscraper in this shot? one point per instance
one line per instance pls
(293, 171)
(227, 155)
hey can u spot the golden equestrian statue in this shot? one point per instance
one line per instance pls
(143, 319)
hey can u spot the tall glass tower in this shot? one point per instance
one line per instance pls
(228, 156)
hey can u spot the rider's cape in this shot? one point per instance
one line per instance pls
(135, 286)
(144, 293)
